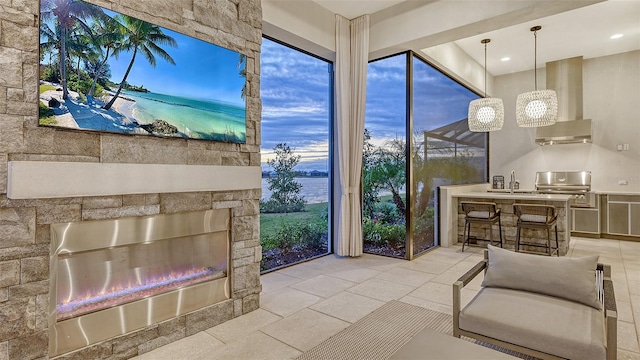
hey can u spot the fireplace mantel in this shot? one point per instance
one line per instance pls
(48, 179)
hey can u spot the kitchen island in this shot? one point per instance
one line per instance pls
(452, 218)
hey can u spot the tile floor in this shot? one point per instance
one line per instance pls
(303, 305)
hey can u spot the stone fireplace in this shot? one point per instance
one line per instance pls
(50, 176)
(111, 277)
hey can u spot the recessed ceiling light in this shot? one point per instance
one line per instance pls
(616, 36)
(506, 58)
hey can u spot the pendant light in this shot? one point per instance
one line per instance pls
(485, 114)
(539, 107)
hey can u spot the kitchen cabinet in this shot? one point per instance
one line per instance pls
(634, 217)
(586, 220)
(623, 215)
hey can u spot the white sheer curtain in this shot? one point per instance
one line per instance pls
(352, 53)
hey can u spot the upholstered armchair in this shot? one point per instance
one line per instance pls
(547, 307)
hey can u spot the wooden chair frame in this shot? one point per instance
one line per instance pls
(548, 212)
(493, 217)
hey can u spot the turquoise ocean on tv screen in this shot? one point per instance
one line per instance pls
(199, 119)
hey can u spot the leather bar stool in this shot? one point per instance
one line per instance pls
(534, 216)
(482, 213)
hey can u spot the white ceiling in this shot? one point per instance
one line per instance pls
(354, 8)
(584, 31)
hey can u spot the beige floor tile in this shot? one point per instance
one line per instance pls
(353, 273)
(347, 306)
(256, 345)
(310, 319)
(581, 252)
(329, 259)
(597, 243)
(406, 276)
(635, 307)
(322, 285)
(441, 293)
(427, 304)
(188, 348)
(381, 289)
(454, 273)
(377, 262)
(275, 281)
(634, 287)
(632, 265)
(630, 256)
(447, 257)
(627, 337)
(424, 264)
(302, 271)
(287, 301)
(621, 290)
(628, 355)
(331, 262)
(237, 328)
(305, 329)
(633, 275)
(625, 313)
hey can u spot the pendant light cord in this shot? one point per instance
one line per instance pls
(535, 57)
(485, 69)
(485, 42)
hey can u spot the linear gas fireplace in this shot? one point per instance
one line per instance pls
(111, 277)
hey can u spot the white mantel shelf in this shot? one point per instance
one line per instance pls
(46, 179)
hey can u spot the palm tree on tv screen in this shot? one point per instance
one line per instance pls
(145, 38)
(109, 34)
(67, 14)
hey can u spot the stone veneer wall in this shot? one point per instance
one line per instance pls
(24, 224)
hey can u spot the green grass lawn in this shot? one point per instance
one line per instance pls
(45, 87)
(269, 223)
(45, 114)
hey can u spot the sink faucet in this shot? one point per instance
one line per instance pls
(512, 184)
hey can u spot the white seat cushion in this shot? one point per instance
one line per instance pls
(551, 325)
(479, 214)
(534, 218)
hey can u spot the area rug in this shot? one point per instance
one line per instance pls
(380, 334)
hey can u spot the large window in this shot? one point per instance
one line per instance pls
(384, 207)
(296, 92)
(414, 112)
(443, 150)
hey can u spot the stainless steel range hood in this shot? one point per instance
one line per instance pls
(565, 77)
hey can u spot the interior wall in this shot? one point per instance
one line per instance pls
(451, 59)
(610, 98)
(302, 24)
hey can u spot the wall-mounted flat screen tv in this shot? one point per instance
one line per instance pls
(105, 71)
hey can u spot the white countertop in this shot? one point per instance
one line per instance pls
(514, 196)
(617, 193)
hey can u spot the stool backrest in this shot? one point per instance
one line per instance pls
(548, 212)
(473, 206)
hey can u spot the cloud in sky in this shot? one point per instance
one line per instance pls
(294, 88)
(202, 70)
(295, 101)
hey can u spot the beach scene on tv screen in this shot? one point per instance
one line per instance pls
(105, 71)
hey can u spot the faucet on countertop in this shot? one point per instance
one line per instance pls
(512, 183)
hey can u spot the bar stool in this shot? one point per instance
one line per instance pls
(536, 216)
(480, 213)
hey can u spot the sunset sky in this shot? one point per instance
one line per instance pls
(296, 100)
